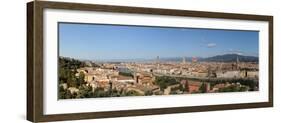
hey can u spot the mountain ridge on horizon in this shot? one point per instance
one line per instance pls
(231, 57)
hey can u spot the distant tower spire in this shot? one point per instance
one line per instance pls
(157, 59)
(183, 60)
(157, 62)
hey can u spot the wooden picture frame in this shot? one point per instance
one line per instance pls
(35, 62)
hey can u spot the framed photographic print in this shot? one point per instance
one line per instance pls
(96, 61)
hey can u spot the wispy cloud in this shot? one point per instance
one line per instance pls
(211, 45)
(238, 52)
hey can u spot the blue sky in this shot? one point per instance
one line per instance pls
(100, 42)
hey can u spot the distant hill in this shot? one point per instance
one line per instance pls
(231, 58)
(178, 59)
(217, 58)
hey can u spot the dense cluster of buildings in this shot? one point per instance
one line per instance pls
(112, 79)
(140, 77)
(196, 69)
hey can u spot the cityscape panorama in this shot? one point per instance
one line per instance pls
(102, 60)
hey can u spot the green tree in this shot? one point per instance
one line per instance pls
(81, 78)
(203, 88)
(132, 93)
(85, 92)
(165, 81)
(62, 93)
(182, 88)
(148, 93)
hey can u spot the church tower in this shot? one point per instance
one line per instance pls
(157, 62)
(237, 63)
(183, 60)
